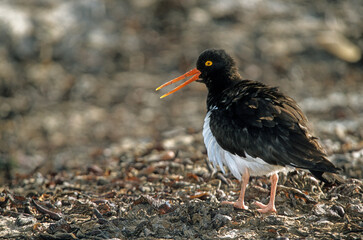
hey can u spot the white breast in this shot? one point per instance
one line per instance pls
(236, 164)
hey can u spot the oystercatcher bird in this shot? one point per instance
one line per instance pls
(251, 128)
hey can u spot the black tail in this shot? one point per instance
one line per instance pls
(328, 177)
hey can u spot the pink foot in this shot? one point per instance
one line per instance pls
(265, 208)
(239, 205)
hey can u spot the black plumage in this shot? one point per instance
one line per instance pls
(258, 120)
(252, 126)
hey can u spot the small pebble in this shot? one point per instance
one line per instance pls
(324, 223)
(273, 220)
(338, 45)
(58, 204)
(332, 213)
(22, 220)
(319, 209)
(220, 220)
(102, 181)
(168, 155)
(339, 210)
(356, 209)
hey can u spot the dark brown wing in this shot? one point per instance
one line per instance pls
(262, 122)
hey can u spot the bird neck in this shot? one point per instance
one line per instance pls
(217, 85)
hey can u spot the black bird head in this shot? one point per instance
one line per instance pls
(215, 68)
(213, 62)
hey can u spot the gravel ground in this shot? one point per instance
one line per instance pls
(88, 150)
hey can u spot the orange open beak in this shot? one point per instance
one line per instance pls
(194, 72)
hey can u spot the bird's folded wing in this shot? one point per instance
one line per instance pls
(262, 122)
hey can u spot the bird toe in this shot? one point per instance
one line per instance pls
(238, 204)
(265, 208)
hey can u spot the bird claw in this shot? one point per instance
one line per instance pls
(265, 208)
(239, 205)
(260, 205)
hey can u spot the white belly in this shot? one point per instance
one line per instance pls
(236, 164)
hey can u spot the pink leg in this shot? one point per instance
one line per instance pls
(240, 203)
(270, 207)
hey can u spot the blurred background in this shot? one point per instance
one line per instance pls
(77, 78)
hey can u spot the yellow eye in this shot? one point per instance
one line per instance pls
(208, 63)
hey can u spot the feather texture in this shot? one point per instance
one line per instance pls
(262, 127)
(236, 164)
